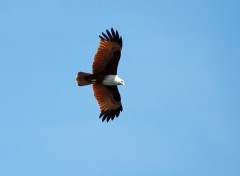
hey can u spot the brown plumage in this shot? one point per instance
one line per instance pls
(104, 78)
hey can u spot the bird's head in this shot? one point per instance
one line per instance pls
(122, 82)
(119, 81)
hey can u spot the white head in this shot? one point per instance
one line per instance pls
(119, 81)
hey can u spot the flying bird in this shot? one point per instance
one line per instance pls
(104, 78)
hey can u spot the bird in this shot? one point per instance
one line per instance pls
(104, 78)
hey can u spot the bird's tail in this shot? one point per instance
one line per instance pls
(83, 79)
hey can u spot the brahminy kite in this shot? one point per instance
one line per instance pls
(104, 78)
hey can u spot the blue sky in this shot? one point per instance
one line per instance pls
(180, 62)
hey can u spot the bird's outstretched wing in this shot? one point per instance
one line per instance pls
(109, 101)
(108, 54)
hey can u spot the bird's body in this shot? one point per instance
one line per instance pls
(104, 78)
(107, 80)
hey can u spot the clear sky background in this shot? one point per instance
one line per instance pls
(181, 65)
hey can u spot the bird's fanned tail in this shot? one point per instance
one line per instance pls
(83, 79)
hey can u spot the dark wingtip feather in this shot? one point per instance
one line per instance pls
(104, 35)
(110, 114)
(101, 37)
(112, 36)
(101, 115)
(113, 33)
(120, 41)
(112, 117)
(117, 35)
(109, 34)
(108, 118)
(104, 117)
(117, 113)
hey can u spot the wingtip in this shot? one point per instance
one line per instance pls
(117, 35)
(101, 37)
(101, 114)
(107, 37)
(109, 34)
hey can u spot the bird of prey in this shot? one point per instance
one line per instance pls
(104, 78)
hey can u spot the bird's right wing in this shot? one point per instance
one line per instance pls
(109, 101)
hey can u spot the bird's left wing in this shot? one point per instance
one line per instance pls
(108, 54)
(109, 101)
